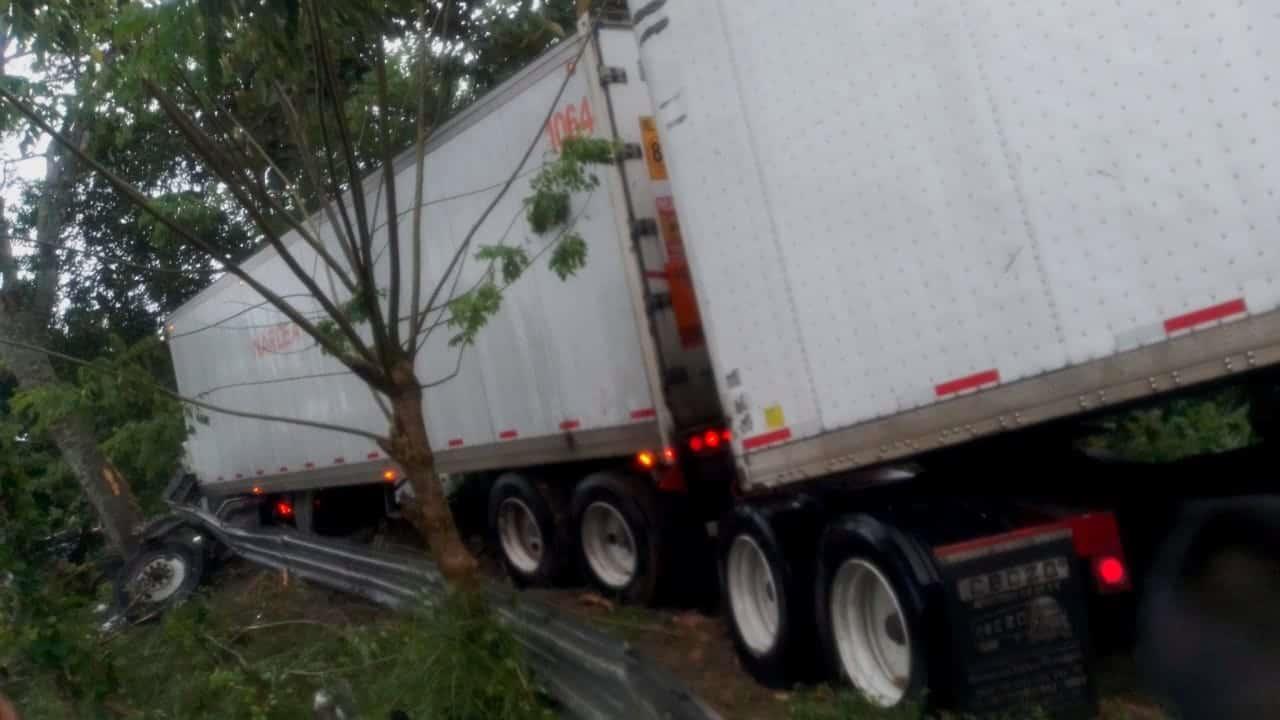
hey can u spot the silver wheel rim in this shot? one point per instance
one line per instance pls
(871, 633)
(753, 595)
(520, 536)
(159, 579)
(608, 544)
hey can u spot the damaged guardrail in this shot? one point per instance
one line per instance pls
(591, 674)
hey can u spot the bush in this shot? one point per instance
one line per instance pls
(251, 651)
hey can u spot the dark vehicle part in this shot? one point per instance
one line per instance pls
(619, 535)
(531, 529)
(160, 576)
(1209, 633)
(766, 560)
(871, 611)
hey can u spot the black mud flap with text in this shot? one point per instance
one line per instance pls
(1015, 604)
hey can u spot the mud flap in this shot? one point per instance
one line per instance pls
(1015, 605)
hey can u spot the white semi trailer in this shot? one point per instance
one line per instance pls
(857, 269)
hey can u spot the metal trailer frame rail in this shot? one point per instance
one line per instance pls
(592, 675)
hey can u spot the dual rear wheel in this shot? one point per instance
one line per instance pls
(853, 606)
(606, 527)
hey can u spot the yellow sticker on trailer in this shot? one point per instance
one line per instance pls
(773, 418)
(653, 149)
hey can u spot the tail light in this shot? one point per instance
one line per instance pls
(389, 475)
(284, 509)
(707, 441)
(1097, 538)
(1110, 573)
(646, 460)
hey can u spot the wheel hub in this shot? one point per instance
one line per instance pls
(519, 535)
(870, 632)
(753, 595)
(159, 579)
(608, 544)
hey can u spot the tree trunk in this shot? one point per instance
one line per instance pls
(410, 448)
(103, 485)
(25, 311)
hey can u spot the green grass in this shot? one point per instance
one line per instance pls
(261, 650)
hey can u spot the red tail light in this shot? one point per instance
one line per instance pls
(727, 436)
(284, 509)
(669, 456)
(1111, 572)
(712, 439)
(695, 443)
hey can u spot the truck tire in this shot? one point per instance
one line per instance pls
(160, 576)
(871, 616)
(768, 594)
(1213, 593)
(619, 538)
(534, 547)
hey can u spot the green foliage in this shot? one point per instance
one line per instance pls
(356, 311)
(469, 313)
(142, 429)
(511, 261)
(548, 206)
(825, 703)
(1176, 429)
(569, 256)
(546, 210)
(250, 651)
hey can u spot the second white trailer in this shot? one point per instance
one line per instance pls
(566, 371)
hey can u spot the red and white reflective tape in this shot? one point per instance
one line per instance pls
(769, 438)
(644, 414)
(568, 425)
(966, 383)
(508, 435)
(456, 443)
(1204, 316)
(339, 460)
(373, 455)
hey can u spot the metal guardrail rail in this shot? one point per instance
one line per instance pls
(591, 674)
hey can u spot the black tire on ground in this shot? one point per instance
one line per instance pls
(864, 569)
(514, 500)
(160, 576)
(1212, 594)
(621, 521)
(779, 589)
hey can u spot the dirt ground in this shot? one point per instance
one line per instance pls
(693, 645)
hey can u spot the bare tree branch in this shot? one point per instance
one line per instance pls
(326, 68)
(297, 224)
(475, 227)
(211, 154)
(274, 381)
(420, 157)
(146, 205)
(341, 227)
(249, 308)
(389, 179)
(200, 403)
(116, 260)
